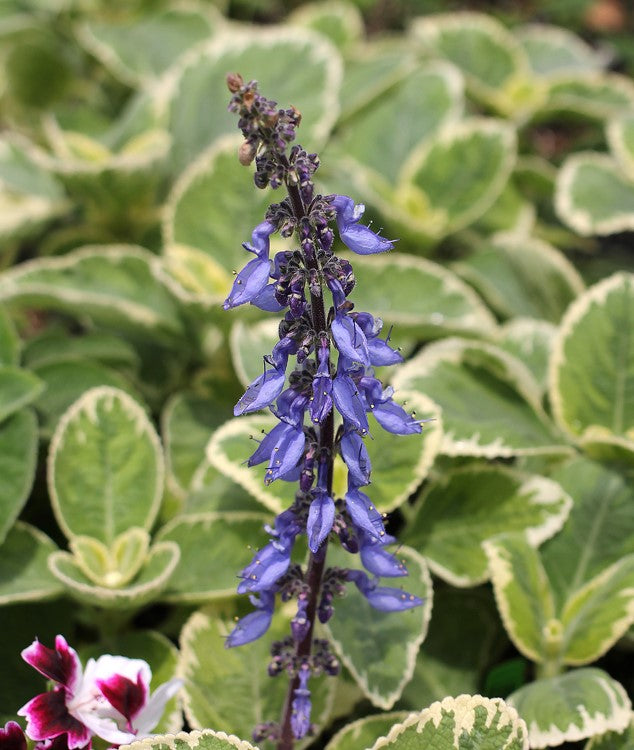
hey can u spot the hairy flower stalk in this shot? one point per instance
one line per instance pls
(335, 349)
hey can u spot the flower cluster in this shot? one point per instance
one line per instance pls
(323, 402)
(110, 698)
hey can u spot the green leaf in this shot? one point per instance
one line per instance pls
(362, 733)
(480, 46)
(613, 740)
(162, 656)
(572, 707)
(186, 424)
(138, 50)
(599, 97)
(370, 71)
(112, 567)
(401, 462)
(594, 196)
(29, 196)
(522, 276)
(159, 565)
(341, 22)
(620, 136)
(468, 506)
(18, 388)
(249, 343)
(592, 363)
(490, 402)
(207, 739)
(599, 613)
(105, 467)
(530, 341)
(213, 492)
(18, 457)
(66, 381)
(523, 595)
(468, 721)
(230, 688)
(600, 524)
(444, 666)
(56, 345)
(232, 444)
(553, 51)
(417, 295)
(118, 286)
(452, 179)
(10, 344)
(211, 542)
(24, 575)
(429, 98)
(197, 121)
(379, 648)
(203, 210)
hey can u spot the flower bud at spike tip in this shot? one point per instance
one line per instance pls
(234, 82)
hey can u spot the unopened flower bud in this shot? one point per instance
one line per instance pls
(246, 153)
(234, 82)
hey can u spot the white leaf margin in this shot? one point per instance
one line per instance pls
(427, 30)
(189, 738)
(10, 287)
(558, 36)
(542, 491)
(209, 517)
(242, 475)
(596, 294)
(578, 218)
(451, 350)
(615, 136)
(463, 709)
(479, 319)
(35, 595)
(110, 59)
(352, 727)
(591, 725)
(262, 330)
(128, 596)
(86, 405)
(454, 132)
(238, 38)
(386, 702)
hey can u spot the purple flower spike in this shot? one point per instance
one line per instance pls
(300, 718)
(260, 243)
(286, 453)
(383, 598)
(255, 624)
(321, 402)
(359, 238)
(12, 737)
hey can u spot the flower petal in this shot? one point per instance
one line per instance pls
(125, 695)
(320, 519)
(249, 283)
(350, 339)
(60, 664)
(261, 393)
(47, 716)
(150, 715)
(12, 737)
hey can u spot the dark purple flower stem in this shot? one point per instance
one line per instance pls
(316, 561)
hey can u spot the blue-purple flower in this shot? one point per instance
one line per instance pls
(254, 277)
(359, 238)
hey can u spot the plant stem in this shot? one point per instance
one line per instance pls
(317, 560)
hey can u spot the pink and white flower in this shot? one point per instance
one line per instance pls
(110, 698)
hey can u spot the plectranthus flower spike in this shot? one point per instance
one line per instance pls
(321, 399)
